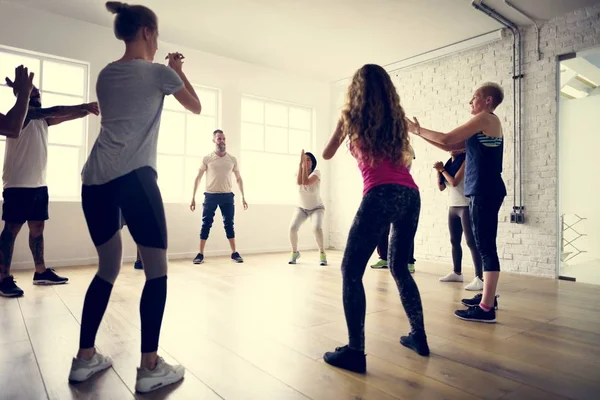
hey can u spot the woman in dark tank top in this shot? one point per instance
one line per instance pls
(482, 137)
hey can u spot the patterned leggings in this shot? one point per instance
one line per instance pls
(382, 205)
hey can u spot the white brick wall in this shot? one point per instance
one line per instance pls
(438, 93)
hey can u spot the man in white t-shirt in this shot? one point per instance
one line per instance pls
(218, 166)
(25, 191)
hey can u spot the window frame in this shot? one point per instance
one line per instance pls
(288, 105)
(83, 146)
(183, 157)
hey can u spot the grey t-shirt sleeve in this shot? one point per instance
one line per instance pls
(167, 79)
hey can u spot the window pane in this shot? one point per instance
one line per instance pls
(172, 104)
(7, 99)
(63, 171)
(170, 177)
(171, 134)
(276, 114)
(208, 99)
(70, 132)
(51, 100)
(9, 61)
(301, 118)
(282, 169)
(252, 110)
(299, 140)
(64, 78)
(192, 165)
(199, 135)
(253, 137)
(277, 139)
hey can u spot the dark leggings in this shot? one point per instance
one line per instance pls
(383, 246)
(134, 197)
(484, 221)
(459, 221)
(381, 206)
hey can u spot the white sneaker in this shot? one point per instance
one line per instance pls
(82, 370)
(161, 376)
(452, 277)
(476, 284)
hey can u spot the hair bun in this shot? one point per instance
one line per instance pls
(116, 7)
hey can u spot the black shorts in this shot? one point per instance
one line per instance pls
(134, 198)
(25, 204)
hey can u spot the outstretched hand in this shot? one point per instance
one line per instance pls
(23, 83)
(91, 108)
(413, 126)
(175, 61)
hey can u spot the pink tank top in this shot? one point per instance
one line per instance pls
(384, 173)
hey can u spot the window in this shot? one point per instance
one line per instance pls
(184, 139)
(273, 136)
(60, 82)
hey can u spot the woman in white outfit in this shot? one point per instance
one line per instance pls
(451, 176)
(310, 205)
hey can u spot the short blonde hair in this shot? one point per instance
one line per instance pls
(493, 90)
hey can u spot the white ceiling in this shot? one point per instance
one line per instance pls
(323, 39)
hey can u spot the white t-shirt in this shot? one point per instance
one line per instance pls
(218, 172)
(456, 195)
(26, 157)
(131, 96)
(310, 195)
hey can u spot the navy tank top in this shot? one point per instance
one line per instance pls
(483, 171)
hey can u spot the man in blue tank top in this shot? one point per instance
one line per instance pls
(483, 138)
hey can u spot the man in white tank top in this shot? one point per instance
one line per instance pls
(218, 166)
(25, 191)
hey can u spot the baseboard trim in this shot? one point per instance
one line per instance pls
(76, 262)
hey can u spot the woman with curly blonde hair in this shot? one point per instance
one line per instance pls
(373, 125)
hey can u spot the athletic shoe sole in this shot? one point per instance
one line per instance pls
(11, 295)
(82, 377)
(198, 262)
(485, 321)
(46, 282)
(148, 387)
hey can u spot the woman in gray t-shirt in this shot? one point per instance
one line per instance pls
(120, 178)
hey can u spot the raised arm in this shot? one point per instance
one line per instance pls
(334, 142)
(453, 181)
(186, 96)
(11, 124)
(83, 111)
(479, 123)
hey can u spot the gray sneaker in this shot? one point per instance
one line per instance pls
(82, 370)
(161, 376)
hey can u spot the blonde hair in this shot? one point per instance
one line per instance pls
(493, 90)
(373, 121)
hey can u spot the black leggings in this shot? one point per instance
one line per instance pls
(381, 206)
(459, 221)
(134, 197)
(484, 221)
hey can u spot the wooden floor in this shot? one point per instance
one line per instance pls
(258, 331)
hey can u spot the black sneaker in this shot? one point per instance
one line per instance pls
(417, 343)
(476, 314)
(347, 358)
(8, 287)
(138, 264)
(48, 277)
(199, 259)
(474, 302)
(235, 257)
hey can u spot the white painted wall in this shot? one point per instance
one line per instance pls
(260, 229)
(579, 141)
(438, 93)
